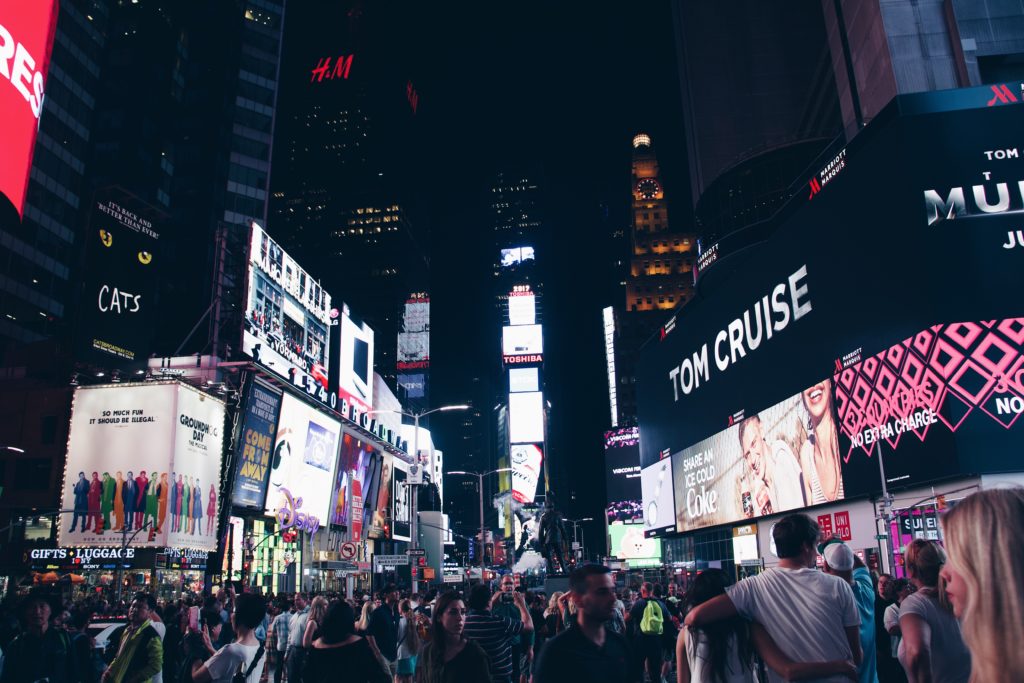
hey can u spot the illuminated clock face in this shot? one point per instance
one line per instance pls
(648, 188)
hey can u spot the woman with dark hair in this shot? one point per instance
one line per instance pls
(722, 651)
(339, 654)
(450, 657)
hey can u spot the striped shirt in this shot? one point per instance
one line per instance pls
(494, 635)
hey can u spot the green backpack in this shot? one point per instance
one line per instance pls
(653, 621)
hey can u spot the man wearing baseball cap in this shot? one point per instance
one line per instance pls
(840, 561)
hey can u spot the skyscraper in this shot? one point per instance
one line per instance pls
(343, 198)
(659, 278)
(39, 251)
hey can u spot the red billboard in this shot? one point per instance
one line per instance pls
(26, 38)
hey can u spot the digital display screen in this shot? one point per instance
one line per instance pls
(355, 362)
(516, 255)
(622, 475)
(522, 308)
(785, 457)
(923, 364)
(522, 340)
(304, 459)
(527, 461)
(656, 492)
(526, 417)
(629, 543)
(287, 316)
(523, 379)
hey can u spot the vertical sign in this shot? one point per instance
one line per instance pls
(26, 39)
(825, 523)
(256, 447)
(843, 526)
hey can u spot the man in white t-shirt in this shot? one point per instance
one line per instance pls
(811, 616)
(240, 655)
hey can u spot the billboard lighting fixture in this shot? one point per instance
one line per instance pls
(101, 374)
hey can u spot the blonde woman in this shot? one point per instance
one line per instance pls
(364, 617)
(408, 643)
(985, 580)
(317, 612)
(553, 614)
(932, 649)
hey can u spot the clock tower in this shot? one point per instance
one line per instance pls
(661, 264)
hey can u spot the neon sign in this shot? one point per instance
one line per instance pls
(288, 515)
(330, 68)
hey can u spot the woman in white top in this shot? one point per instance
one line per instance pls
(240, 655)
(723, 651)
(819, 456)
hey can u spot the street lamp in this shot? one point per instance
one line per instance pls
(12, 448)
(416, 453)
(480, 487)
(575, 526)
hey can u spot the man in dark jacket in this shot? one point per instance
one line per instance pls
(129, 494)
(40, 652)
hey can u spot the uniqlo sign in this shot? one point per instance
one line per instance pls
(825, 524)
(26, 38)
(843, 526)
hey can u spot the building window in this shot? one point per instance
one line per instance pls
(48, 430)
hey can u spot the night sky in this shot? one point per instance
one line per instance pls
(567, 87)
(563, 89)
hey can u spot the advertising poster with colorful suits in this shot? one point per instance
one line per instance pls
(198, 442)
(303, 460)
(126, 446)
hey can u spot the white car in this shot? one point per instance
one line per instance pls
(101, 631)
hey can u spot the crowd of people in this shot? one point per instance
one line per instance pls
(957, 618)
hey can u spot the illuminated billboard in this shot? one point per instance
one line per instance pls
(922, 363)
(516, 255)
(414, 385)
(414, 333)
(656, 493)
(527, 463)
(785, 457)
(522, 306)
(354, 459)
(143, 456)
(287, 317)
(523, 379)
(522, 343)
(355, 362)
(622, 475)
(27, 30)
(526, 417)
(629, 543)
(304, 458)
(117, 312)
(401, 525)
(256, 447)
(380, 516)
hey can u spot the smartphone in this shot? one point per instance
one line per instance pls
(193, 618)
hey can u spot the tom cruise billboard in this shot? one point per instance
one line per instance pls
(895, 275)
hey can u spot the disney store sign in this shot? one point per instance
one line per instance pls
(288, 515)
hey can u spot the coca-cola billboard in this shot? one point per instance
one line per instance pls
(26, 39)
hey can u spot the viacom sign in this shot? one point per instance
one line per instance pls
(26, 39)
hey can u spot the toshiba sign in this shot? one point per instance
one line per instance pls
(26, 38)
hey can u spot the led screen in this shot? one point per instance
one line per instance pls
(923, 363)
(527, 461)
(629, 543)
(656, 492)
(622, 475)
(522, 340)
(304, 457)
(785, 457)
(526, 417)
(523, 379)
(522, 308)
(355, 363)
(515, 256)
(287, 316)
(26, 39)
(402, 515)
